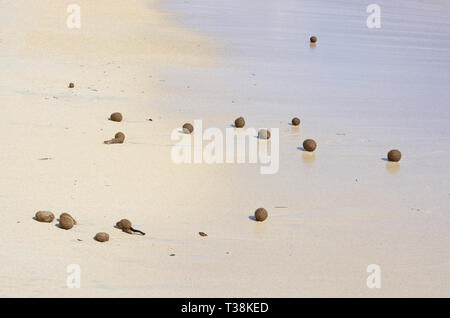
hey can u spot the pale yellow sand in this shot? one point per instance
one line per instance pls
(316, 242)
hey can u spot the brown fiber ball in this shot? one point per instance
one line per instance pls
(120, 137)
(394, 155)
(102, 237)
(264, 134)
(71, 85)
(260, 214)
(188, 128)
(45, 216)
(309, 145)
(239, 122)
(295, 121)
(124, 224)
(68, 215)
(66, 222)
(116, 117)
(313, 39)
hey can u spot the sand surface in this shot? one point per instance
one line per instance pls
(331, 213)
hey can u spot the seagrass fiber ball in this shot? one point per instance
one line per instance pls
(313, 39)
(120, 137)
(394, 155)
(239, 122)
(261, 214)
(71, 85)
(295, 121)
(264, 134)
(309, 145)
(45, 216)
(68, 215)
(116, 117)
(66, 222)
(188, 128)
(102, 237)
(124, 224)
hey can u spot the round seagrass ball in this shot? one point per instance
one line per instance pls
(261, 214)
(295, 121)
(264, 134)
(188, 128)
(120, 137)
(239, 122)
(66, 222)
(394, 155)
(45, 216)
(71, 85)
(68, 215)
(313, 39)
(102, 237)
(309, 145)
(116, 117)
(124, 224)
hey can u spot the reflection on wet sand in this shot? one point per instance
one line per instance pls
(392, 167)
(308, 157)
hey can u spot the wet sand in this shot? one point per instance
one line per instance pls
(331, 213)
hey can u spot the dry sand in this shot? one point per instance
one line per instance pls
(331, 214)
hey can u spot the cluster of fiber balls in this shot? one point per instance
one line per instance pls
(308, 145)
(66, 222)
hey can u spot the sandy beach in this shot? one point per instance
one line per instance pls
(331, 213)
